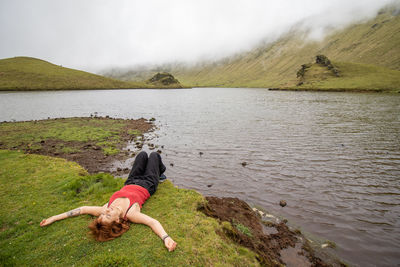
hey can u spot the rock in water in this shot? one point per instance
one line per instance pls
(282, 203)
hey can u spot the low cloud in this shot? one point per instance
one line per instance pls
(96, 34)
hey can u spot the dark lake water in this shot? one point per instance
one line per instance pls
(334, 157)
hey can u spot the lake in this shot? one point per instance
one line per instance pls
(334, 157)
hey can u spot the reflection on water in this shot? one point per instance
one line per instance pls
(334, 157)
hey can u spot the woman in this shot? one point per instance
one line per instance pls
(124, 206)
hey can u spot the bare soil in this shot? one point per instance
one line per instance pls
(274, 247)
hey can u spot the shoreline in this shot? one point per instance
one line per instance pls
(270, 238)
(86, 89)
(336, 90)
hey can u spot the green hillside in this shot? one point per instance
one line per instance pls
(375, 42)
(25, 73)
(368, 54)
(353, 77)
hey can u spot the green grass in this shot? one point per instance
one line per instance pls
(354, 76)
(34, 187)
(105, 133)
(26, 73)
(243, 229)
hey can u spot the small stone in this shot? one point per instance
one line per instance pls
(209, 185)
(201, 153)
(119, 169)
(171, 164)
(282, 203)
(244, 163)
(159, 151)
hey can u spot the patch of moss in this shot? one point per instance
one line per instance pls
(243, 229)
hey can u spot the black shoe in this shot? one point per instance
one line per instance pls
(163, 178)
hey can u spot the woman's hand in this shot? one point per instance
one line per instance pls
(47, 221)
(170, 244)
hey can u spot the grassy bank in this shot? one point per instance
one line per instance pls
(34, 187)
(353, 77)
(92, 142)
(26, 73)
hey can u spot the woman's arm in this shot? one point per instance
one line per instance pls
(92, 210)
(156, 226)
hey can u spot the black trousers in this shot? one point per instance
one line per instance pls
(146, 171)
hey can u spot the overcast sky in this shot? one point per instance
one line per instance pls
(95, 34)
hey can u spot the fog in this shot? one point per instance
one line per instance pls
(97, 34)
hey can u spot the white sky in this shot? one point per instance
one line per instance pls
(96, 34)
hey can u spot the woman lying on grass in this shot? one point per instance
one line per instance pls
(124, 206)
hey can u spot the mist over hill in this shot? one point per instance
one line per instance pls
(374, 42)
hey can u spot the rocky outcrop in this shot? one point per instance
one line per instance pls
(320, 60)
(165, 79)
(324, 61)
(301, 72)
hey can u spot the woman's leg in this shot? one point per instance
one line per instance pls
(154, 167)
(139, 165)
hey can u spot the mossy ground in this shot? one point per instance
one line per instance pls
(105, 133)
(34, 187)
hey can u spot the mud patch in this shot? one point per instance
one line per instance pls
(274, 247)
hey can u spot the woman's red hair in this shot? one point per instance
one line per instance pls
(104, 232)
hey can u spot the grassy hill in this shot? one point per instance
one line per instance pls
(353, 77)
(274, 65)
(25, 73)
(375, 42)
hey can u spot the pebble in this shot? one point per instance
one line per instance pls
(244, 163)
(282, 203)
